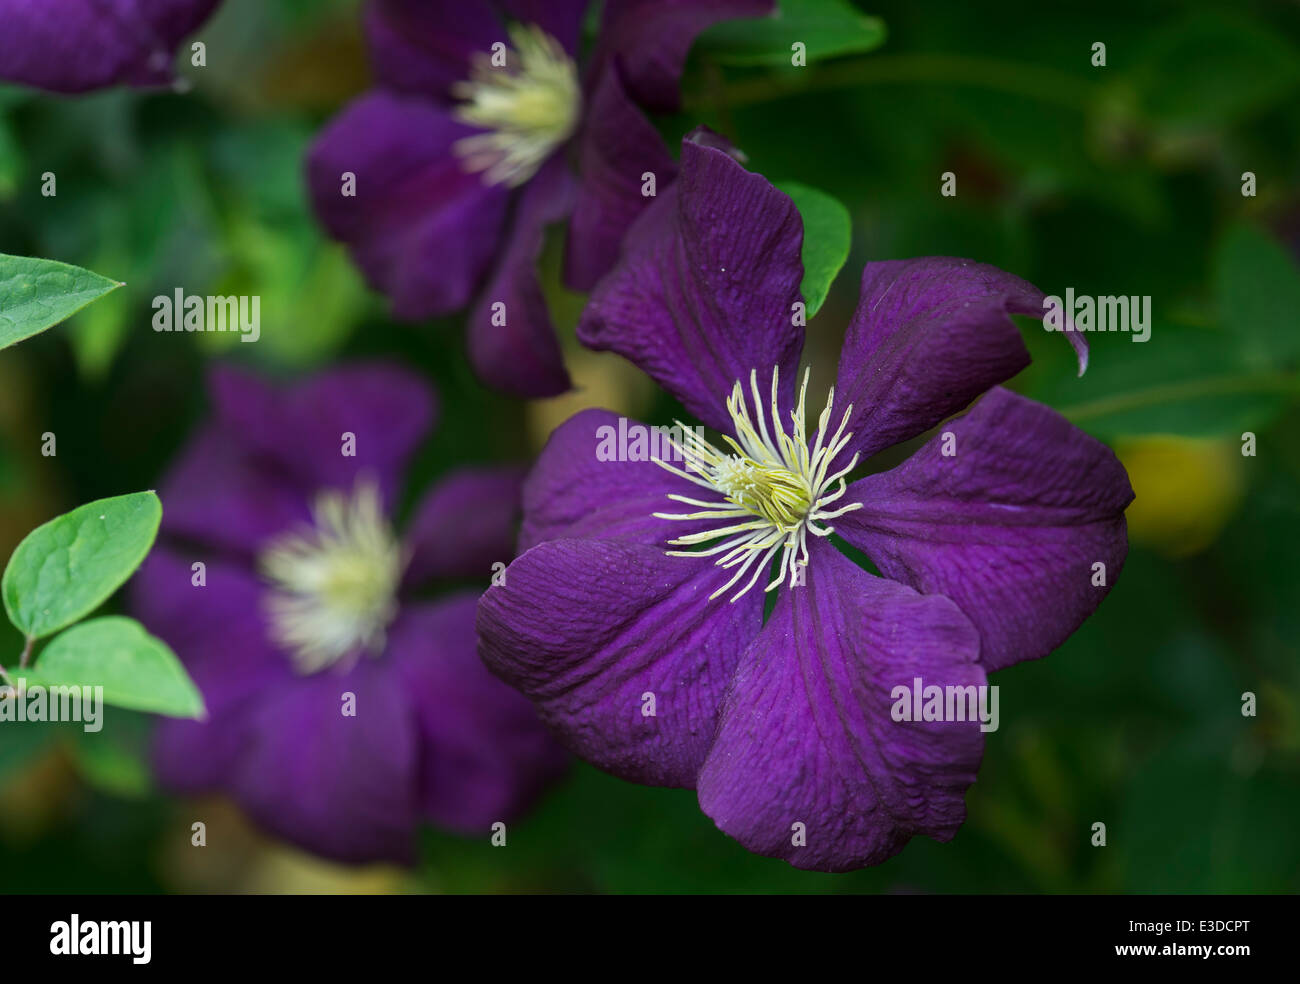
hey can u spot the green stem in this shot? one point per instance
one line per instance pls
(27, 652)
(1032, 81)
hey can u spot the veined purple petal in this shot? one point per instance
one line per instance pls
(575, 491)
(77, 45)
(807, 735)
(465, 524)
(651, 38)
(484, 755)
(338, 785)
(617, 147)
(705, 289)
(620, 649)
(929, 335)
(512, 342)
(1009, 526)
(301, 432)
(422, 229)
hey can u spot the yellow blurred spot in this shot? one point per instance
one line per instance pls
(1187, 489)
(239, 859)
(283, 870)
(600, 379)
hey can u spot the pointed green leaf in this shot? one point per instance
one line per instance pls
(38, 294)
(826, 28)
(137, 671)
(67, 568)
(827, 231)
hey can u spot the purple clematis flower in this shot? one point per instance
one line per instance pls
(78, 45)
(463, 155)
(343, 709)
(634, 615)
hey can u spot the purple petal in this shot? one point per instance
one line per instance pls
(1009, 527)
(575, 492)
(651, 38)
(807, 735)
(593, 631)
(300, 431)
(929, 335)
(218, 632)
(421, 228)
(218, 493)
(617, 146)
(423, 47)
(705, 288)
(512, 342)
(340, 786)
(484, 755)
(465, 524)
(76, 45)
(561, 19)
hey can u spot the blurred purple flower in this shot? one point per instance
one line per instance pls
(639, 582)
(462, 157)
(310, 597)
(77, 45)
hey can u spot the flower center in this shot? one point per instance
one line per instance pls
(775, 488)
(527, 98)
(335, 583)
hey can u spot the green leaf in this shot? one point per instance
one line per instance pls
(38, 294)
(136, 670)
(64, 570)
(1184, 381)
(827, 28)
(827, 231)
(1257, 287)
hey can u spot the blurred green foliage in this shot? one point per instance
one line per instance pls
(1122, 179)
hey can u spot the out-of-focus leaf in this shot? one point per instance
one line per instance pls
(1184, 381)
(827, 230)
(10, 162)
(826, 28)
(1257, 289)
(1216, 66)
(114, 758)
